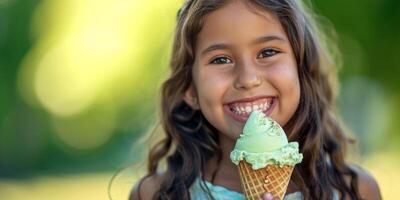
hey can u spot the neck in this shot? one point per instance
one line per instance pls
(227, 146)
(225, 172)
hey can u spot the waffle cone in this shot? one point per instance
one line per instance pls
(272, 179)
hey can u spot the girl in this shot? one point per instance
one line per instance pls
(243, 55)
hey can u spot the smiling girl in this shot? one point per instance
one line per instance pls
(231, 57)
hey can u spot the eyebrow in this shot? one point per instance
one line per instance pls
(223, 46)
(268, 38)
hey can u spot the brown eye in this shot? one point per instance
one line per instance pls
(221, 60)
(267, 53)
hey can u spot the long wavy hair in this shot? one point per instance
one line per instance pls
(190, 140)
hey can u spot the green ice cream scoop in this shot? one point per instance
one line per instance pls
(264, 142)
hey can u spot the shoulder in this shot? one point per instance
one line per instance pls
(367, 185)
(146, 187)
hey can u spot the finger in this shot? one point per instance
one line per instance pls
(267, 196)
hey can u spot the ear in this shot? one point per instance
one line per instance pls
(190, 97)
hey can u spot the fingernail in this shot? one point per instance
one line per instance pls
(268, 196)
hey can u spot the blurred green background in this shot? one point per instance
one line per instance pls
(79, 80)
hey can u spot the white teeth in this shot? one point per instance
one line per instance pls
(247, 108)
(255, 107)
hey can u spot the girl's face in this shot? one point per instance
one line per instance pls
(243, 62)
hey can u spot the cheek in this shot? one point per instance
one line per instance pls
(211, 88)
(284, 77)
(292, 86)
(211, 84)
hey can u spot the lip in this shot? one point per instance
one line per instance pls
(243, 119)
(250, 99)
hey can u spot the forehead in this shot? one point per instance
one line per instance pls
(238, 22)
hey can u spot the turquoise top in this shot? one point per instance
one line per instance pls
(222, 193)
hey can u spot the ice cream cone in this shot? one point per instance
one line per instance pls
(272, 178)
(264, 156)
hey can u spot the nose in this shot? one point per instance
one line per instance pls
(247, 76)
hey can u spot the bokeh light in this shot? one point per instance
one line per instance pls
(90, 54)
